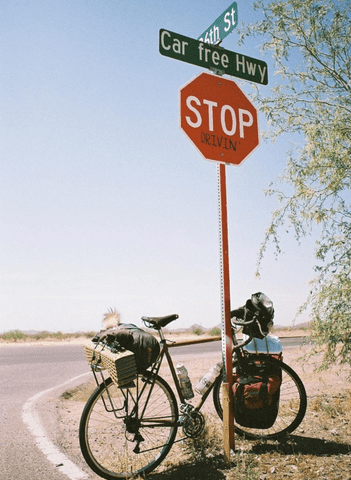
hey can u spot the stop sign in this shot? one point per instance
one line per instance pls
(219, 119)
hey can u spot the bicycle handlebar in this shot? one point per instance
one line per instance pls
(243, 322)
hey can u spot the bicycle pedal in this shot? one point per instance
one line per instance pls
(138, 438)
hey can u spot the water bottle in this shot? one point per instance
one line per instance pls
(208, 379)
(184, 380)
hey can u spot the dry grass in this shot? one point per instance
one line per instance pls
(14, 337)
(319, 449)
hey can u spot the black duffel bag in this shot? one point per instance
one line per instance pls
(130, 337)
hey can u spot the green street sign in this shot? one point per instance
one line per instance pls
(214, 58)
(221, 27)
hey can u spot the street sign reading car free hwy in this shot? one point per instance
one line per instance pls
(221, 27)
(217, 59)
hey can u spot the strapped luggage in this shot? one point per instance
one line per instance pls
(128, 336)
(120, 365)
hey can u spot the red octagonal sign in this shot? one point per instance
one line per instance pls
(219, 119)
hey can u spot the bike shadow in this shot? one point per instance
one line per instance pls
(301, 445)
(214, 468)
(201, 469)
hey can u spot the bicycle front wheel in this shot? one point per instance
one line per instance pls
(292, 401)
(127, 432)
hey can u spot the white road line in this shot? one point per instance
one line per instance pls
(31, 418)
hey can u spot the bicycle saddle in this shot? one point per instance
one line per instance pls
(159, 322)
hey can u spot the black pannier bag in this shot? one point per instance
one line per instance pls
(256, 398)
(130, 337)
(257, 395)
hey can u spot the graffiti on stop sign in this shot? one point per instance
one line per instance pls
(229, 120)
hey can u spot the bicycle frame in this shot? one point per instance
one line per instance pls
(164, 352)
(128, 429)
(237, 347)
(153, 372)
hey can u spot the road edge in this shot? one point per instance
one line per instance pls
(31, 419)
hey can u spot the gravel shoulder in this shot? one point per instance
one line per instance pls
(319, 449)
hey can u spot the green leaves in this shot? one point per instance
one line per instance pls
(311, 46)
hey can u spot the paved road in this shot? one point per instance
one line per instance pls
(29, 376)
(24, 372)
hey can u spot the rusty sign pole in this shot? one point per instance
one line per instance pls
(227, 341)
(210, 92)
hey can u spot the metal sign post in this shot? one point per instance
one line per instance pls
(222, 123)
(227, 342)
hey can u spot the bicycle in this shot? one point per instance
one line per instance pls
(128, 430)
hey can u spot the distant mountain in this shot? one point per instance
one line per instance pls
(196, 325)
(298, 326)
(191, 329)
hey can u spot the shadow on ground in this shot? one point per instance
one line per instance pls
(249, 461)
(202, 469)
(299, 445)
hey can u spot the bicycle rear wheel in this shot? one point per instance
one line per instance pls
(128, 431)
(292, 402)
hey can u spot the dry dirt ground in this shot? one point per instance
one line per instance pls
(319, 449)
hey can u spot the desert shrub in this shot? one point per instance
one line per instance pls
(42, 335)
(89, 334)
(58, 335)
(13, 335)
(198, 331)
(215, 332)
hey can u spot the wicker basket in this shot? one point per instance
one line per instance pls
(121, 366)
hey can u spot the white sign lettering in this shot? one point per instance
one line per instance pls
(221, 27)
(209, 56)
(228, 118)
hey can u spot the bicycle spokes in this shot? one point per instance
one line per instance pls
(132, 432)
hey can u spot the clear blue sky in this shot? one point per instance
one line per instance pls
(104, 201)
